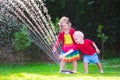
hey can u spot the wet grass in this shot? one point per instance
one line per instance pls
(49, 71)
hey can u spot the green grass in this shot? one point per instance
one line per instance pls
(49, 71)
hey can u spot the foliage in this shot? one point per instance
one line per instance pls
(22, 39)
(100, 34)
(102, 37)
(56, 25)
(113, 29)
(86, 15)
(8, 26)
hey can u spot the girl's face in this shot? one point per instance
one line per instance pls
(65, 27)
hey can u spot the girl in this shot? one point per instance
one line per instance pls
(66, 37)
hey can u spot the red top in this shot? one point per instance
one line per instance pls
(86, 47)
(60, 38)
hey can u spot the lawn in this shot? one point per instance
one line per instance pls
(49, 71)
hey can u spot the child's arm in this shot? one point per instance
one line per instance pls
(54, 49)
(96, 48)
(56, 43)
(71, 50)
(68, 52)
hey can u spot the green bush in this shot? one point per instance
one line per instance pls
(22, 39)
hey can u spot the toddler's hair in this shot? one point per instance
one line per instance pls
(64, 20)
(78, 34)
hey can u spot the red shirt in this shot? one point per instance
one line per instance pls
(86, 47)
(60, 38)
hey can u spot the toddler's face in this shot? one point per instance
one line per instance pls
(78, 39)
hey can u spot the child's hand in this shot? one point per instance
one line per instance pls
(54, 49)
(97, 51)
(61, 57)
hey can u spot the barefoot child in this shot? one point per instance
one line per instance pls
(88, 49)
(66, 37)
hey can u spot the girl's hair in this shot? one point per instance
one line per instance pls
(64, 20)
(78, 34)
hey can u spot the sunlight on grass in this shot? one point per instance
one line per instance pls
(49, 71)
(28, 76)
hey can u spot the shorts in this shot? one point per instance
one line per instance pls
(91, 58)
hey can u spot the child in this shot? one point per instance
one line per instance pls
(66, 37)
(88, 49)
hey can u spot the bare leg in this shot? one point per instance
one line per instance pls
(74, 63)
(86, 67)
(62, 64)
(100, 67)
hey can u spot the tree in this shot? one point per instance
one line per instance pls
(102, 37)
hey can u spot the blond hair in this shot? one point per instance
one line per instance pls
(64, 20)
(78, 34)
